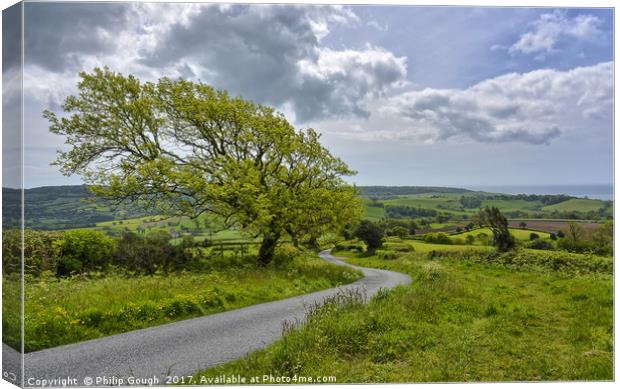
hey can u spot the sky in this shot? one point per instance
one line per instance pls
(406, 95)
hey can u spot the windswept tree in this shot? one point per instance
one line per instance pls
(492, 217)
(185, 148)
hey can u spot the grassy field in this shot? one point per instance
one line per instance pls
(374, 213)
(62, 311)
(448, 203)
(582, 205)
(513, 205)
(459, 321)
(519, 234)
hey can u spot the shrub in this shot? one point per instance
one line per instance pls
(350, 246)
(577, 246)
(437, 237)
(400, 247)
(540, 244)
(534, 236)
(40, 253)
(83, 251)
(556, 261)
(388, 254)
(285, 253)
(399, 231)
(146, 255)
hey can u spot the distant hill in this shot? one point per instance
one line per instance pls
(390, 191)
(74, 206)
(61, 207)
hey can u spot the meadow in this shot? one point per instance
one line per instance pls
(461, 320)
(451, 206)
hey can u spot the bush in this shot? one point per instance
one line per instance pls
(83, 251)
(388, 254)
(540, 244)
(534, 236)
(40, 253)
(285, 253)
(399, 231)
(556, 261)
(576, 246)
(437, 237)
(350, 246)
(146, 255)
(400, 247)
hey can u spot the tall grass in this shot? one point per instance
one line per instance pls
(459, 321)
(66, 310)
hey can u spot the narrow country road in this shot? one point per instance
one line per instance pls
(185, 347)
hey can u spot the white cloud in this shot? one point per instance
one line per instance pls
(531, 108)
(271, 54)
(341, 82)
(550, 28)
(375, 24)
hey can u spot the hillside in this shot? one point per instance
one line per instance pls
(391, 191)
(65, 207)
(62, 207)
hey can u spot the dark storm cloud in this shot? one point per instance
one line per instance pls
(58, 34)
(11, 37)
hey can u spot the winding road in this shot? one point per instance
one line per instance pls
(185, 347)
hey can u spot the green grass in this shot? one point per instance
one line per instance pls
(512, 205)
(519, 234)
(580, 205)
(459, 321)
(423, 247)
(373, 213)
(62, 311)
(425, 202)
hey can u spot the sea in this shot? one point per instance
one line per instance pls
(597, 191)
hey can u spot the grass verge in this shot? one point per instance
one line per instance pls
(459, 321)
(62, 311)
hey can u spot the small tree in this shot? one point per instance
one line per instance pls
(371, 234)
(553, 236)
(491, 217)
(534, 236)
(523, 224)
(561, 234)
(575, 232)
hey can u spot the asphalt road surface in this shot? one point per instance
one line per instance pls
(184, 347)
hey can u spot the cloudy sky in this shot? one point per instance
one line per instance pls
(446, 96)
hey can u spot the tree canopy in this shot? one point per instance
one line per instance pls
(186, 148)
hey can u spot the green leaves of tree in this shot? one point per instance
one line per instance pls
(186, 148)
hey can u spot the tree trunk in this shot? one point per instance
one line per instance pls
(293, 237)
(267, 248)
(313, 242)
